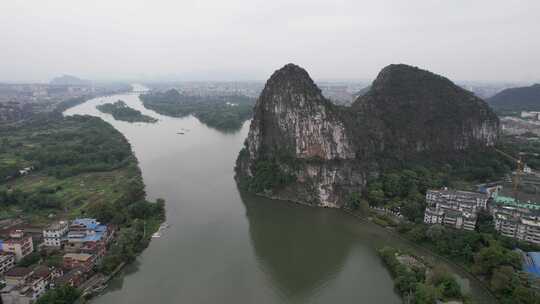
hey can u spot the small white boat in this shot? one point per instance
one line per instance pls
(156, 234)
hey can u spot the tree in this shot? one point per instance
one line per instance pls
(503, 280)
(417, 234)
(391, 185)
(493, 256)
(375, 194)
(413, 210)
(450, 288)
(425, 294)
(408, 182)
(524, 295)
(60, 295)
(484, 222)
(353, 201)
(406, 282)
(435, 232)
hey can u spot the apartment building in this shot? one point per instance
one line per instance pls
(55, 235)
(454, 208)
(19, 243)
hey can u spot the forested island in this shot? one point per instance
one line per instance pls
(226, 113)
(60, 168)
(121, 111)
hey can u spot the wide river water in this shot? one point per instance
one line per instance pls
(226, 247)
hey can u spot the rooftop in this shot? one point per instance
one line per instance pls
(532, 263)
(510, 201)
(460, 193)
(57, 225)
(41, 271)
(18, 272)
(89, 223)
(78, 256)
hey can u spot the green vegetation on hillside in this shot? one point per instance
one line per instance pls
(404, 188)
(267, 176)
(121, 111)
(226, 113)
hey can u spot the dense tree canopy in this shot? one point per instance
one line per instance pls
(121, 111)
(226, 113)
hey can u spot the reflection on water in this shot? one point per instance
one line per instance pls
(298, 251)
(315, 255)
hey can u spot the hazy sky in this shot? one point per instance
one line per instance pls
(492, 40)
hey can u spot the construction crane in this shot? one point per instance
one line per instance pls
(516, 178)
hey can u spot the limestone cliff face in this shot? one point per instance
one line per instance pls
(292, 117)
(301, 147)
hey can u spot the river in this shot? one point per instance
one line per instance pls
(224, 247)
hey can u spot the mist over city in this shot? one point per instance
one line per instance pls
(286, 151)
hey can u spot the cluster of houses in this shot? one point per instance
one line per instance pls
(459, 209)
(81, 243)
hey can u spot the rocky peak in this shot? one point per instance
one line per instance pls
(292, 118)
(415, 110)
(408, 80)
(291, 79)
(329, 151)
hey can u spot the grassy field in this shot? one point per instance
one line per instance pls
(76, 193)
(78, 162)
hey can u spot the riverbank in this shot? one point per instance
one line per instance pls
(249, 250)
(75, 167)
(462, 271)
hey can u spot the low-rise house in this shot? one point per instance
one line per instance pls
(42, 271)
(55, 235)
(88, 236)
(19, 243)
(17, 275)
(26, 292)
(7, 261)
(26, 170)
(73, 278)
(75, 260)
(12, 294)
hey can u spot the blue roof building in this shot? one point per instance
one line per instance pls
(531, 263)
(86, 230)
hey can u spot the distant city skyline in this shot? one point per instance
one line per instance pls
(241, 40)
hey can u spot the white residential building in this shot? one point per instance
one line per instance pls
(454, 208)
(55, 234)
(7, 261)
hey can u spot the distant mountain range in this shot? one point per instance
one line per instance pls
(69, 80)
(517, 99)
